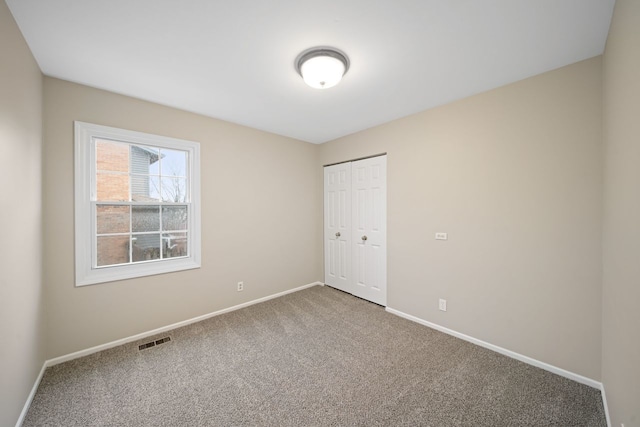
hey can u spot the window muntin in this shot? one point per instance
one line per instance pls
(139, 212)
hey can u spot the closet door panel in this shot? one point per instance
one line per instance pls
(369, 239)
(337, 226)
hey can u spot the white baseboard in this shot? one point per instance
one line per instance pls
(606, 407)
(88, 351)
(27, 404)
(526, 359)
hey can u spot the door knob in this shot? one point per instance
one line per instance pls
(338, 234)
(364, 237)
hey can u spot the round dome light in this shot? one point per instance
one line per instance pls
(322, 67)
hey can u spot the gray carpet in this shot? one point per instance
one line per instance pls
(318, 357)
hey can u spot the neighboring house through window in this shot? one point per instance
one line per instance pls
(137, 204)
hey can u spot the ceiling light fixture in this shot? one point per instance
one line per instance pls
(322, 67)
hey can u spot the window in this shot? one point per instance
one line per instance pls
(136, 203)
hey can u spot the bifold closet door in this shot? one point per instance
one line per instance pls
(337, 226)
(355, 209)
(369, 229)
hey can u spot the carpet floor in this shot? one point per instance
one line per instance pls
(318, 357)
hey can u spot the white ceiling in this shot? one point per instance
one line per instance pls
(234, 60)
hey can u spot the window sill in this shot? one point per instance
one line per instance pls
(123, 272)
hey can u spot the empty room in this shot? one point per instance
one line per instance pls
(417, 213)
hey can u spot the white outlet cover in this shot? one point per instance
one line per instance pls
(442, 304)
(441, 236)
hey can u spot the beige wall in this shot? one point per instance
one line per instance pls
(259, 214)
(621, 284)
(22, 351)
(514, 176)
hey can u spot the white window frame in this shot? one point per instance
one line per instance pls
(85, 222)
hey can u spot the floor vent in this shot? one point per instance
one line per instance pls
(154, 343)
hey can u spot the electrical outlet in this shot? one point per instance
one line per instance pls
(240, 286)
(442, 304)
(441, 236)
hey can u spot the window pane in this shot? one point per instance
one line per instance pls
(113, 250)
(144, 188)
(112, 219)
(146, 247)
(154, 165)
(174, 218)
(112, 187)
(142, 159)
(174, 190)
(174, 245)
(145, 218)
(173, 163)
(154, 188)
(112, 156)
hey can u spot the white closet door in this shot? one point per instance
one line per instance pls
(369, 228)
(337, 226)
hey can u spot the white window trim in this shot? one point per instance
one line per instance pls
(85, 226)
